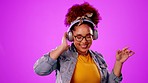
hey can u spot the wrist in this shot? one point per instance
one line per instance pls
(63, 48)
(117, 68)
(118, 63)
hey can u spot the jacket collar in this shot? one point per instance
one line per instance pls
(73, 48)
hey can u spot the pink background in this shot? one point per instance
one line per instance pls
(30, 28)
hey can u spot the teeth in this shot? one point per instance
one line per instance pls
(83, 46)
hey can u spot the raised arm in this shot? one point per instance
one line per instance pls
(47, 63)
(121, 57)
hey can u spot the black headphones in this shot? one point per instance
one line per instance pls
(69, 32)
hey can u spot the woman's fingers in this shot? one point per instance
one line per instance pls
(125, 48)
(131, 53)
(119, 51)
(127, 52)
(64, 37)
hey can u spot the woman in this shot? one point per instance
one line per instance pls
(77, 63)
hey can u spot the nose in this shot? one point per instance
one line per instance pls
(84, 40)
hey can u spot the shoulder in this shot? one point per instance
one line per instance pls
(96, 53)
(99, 56)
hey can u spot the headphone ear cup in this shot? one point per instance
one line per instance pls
(70, 36)
(95, 34)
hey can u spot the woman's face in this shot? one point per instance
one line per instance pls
(82, 38)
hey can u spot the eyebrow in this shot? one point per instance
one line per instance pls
(82, 35)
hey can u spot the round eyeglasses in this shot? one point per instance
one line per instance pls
(79, 38)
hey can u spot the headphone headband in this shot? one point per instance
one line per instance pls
(80, 21)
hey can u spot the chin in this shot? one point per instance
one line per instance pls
(83, 50)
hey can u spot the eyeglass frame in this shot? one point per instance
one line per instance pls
(91, 36)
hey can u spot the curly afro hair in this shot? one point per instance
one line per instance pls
(79, 10)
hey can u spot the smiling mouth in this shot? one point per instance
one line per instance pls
(84, 46)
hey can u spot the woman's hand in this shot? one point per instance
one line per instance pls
(64, 45)
(123, 55)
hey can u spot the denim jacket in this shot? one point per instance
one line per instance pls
(65, 65)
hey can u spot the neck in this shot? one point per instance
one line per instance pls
(83, 53)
